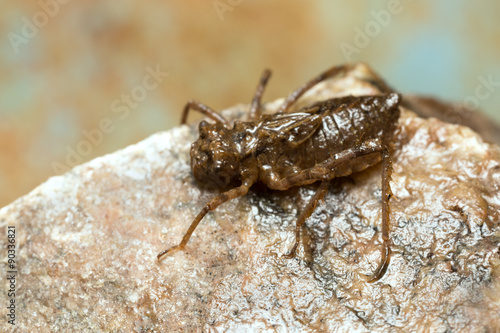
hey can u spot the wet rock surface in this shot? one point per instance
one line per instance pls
(87, 243)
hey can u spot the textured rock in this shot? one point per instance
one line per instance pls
(456, 114)
(87, 243)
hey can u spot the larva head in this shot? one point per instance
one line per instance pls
(215, 160)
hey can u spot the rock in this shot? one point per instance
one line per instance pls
(87, 242)
(460, 114)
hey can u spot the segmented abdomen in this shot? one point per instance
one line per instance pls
(346, 123)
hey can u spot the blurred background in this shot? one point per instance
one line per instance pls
(84, 78)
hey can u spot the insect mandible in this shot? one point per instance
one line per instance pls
(325, 140)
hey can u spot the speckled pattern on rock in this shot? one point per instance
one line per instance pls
(88, 240)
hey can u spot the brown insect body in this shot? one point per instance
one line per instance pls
(279, 145)
(328, 139)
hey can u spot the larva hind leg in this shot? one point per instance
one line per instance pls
(295, 95)
(323, 171)
(309, 209)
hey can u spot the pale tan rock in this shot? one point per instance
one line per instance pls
(455, 113)
(87, 243)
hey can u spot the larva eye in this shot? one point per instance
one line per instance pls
(203, 125)
(203, 129)
(201, 157)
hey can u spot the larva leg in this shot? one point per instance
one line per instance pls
(374, 79)
(213, 204)
(323, 171)
(386, 212)
(206, 110)
(311, 205)
(295, 95)
(255, 108)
